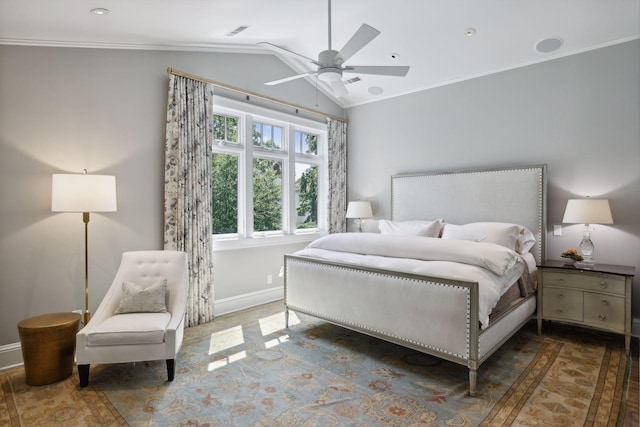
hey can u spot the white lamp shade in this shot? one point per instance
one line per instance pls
(83, 193)
(587, 211)
(359, 210)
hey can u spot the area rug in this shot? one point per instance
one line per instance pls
(245, 369)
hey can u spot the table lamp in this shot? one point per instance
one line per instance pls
(359, 210)
(587, 211)
(83, 193)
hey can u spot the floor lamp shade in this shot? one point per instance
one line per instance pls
(83, 193)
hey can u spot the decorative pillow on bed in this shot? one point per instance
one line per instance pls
(414, 228)
(513, 236)
(139, 299)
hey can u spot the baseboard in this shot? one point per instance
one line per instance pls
(10, 356)
(244, 301)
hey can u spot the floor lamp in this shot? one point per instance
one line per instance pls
(84, 193)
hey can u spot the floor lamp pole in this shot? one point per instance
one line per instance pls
(85, 219)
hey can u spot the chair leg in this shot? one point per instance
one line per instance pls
(171, 368)
(83, 373)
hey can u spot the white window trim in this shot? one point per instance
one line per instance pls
(245, 217)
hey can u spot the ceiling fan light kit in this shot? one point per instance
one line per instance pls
(330, 62)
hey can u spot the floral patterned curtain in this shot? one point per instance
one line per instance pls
(337, 176)
(187, 188)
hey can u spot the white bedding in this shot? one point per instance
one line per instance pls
(494, 267)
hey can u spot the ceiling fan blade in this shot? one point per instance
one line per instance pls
(288, 79)
(338, 88)
(359, 40)
(383, 70)
(284, 51)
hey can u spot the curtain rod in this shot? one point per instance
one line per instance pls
(254, 94)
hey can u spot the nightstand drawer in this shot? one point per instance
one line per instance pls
(561, 303)
(586, 281)
(604, 311)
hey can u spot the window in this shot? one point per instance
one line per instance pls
(269, 174)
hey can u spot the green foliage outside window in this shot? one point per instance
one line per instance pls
(224, 193)
(267, 195)
(308, 197)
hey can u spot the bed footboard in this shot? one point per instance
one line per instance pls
(439, 316)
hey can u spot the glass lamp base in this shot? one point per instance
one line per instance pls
(586, 247)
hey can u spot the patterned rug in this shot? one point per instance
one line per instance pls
(245, 369)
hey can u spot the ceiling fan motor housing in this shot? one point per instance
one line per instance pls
(329, 69)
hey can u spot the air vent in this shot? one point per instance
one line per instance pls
(352, 80)
(237, 31)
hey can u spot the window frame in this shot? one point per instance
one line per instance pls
(246, 152)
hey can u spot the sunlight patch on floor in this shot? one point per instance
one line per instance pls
(226, 339)
(275, 323)
(276, 341)
(216, 364)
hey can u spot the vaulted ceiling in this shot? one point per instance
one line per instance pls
(443, 41)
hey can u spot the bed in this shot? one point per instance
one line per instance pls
(395, 299)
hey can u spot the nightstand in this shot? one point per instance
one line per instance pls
(598, 297)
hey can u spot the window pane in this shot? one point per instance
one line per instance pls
(306, 143)
(224, 193)
(267, 195)
(257, 134)
(225, 128)
(218, 127)
(277, 138)
(232, 129)
(306, 196)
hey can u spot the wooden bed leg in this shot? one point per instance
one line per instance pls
(473, 375)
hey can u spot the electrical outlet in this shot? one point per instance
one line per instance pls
(269, 279)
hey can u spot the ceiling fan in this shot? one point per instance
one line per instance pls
(331, 62)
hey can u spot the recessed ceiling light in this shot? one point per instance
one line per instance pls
(549, 45)
(375, 90)
(470, 32)
(99, 11)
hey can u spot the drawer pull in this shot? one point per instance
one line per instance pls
(560, 295)
(602, 317)
(559, 311)
(603, 285)
(561, 281)
(604, 301)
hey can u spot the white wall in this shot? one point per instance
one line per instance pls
(580, 115)
(65, 109)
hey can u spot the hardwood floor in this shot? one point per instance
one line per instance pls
(632, 411)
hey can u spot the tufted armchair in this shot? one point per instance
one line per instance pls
(137, 336)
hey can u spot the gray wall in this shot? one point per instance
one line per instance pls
(65, 109)
(580, 115)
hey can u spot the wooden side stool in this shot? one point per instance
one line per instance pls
(48, 346)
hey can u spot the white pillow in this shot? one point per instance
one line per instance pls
(513, 236)
(526, 240)
(138, 299)
(413, 228)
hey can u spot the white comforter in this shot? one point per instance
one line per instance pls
(494, 267)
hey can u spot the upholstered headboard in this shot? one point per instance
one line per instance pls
(516, 195)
